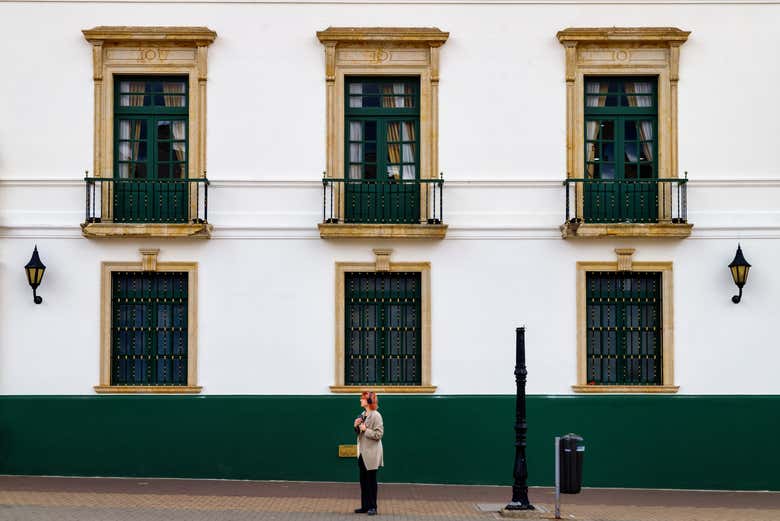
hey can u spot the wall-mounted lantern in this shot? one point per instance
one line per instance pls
(739, 271)
(35, 269)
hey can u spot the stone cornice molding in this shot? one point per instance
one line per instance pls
(196, 36)
(604, 35)
(430, 36)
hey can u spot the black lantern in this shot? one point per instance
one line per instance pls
(35, 269)
(739, 271)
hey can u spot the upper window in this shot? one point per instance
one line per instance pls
(382, 174)
(621, 143)
(621, 122)
(150, 138)
(382, 156)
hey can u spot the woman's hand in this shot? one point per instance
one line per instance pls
(358, 421)
(362, 427)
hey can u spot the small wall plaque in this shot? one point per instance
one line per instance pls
(347, 451)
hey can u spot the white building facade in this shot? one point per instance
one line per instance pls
(205, 329)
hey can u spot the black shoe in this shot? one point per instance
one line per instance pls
(371, 511)
(361, 510)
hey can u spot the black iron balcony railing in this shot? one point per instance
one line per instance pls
(626, 200)
(169, 201)
(387, 201)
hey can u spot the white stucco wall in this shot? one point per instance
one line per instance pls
(266, 280)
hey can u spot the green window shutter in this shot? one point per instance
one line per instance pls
(621, 149)
(149, 328)
(624, 328)
(382, 319)
(151, 146)
(382, 149)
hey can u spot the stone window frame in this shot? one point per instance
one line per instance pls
(624, 263)
(148, 263)
(382, 263)
(382, 51)
(121, 50)
(623, 51)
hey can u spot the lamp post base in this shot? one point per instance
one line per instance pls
(516, 505)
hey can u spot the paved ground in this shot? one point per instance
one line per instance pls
(112, 499)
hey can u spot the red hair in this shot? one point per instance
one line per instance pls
(371, 398)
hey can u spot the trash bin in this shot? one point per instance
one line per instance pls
(571, 450)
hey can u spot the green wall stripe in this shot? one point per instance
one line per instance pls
(695, 442)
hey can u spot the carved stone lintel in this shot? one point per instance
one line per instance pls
(382, 259)
(149, 258)
(430, 36)
(624, 258)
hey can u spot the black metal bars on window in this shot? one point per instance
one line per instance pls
(382, 328)
(169, 201)
(149, 326)
(624, 328)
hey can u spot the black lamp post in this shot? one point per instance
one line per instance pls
(35, 269)
(520, 486)
(739, 271)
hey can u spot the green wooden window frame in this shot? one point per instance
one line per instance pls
(621, 144)
(624, 328)
(149, 328)
(151, 149)
(382, 149)
(383, 328)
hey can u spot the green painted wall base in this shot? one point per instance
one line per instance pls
(694, 442)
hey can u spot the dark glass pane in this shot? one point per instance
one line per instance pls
(138, 171)
(371, 101)
(163, 151)
(630, 172)
(369, 172)
(607, 129)
(370, 129)
(607, 171)
(630, 130)
(646, 171)
(631, 151)
(163, 171)
(163, 130)
(370, 153)
(608, 152)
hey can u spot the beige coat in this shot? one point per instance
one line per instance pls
(370, 441)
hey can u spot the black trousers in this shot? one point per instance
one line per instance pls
(368, 486)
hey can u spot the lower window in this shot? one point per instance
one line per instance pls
(624, 328)
(383, 328)
(149, 328)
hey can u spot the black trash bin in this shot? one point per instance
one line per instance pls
(571, 450)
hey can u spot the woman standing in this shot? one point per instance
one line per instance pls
(369, 428)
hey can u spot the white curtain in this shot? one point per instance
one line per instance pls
(407, 134)
(592, 127)
(400, 101)
(355, 149)
(645, 127)
(177, 127)
(357, 99)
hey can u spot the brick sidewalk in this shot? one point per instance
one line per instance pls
(113, 499)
